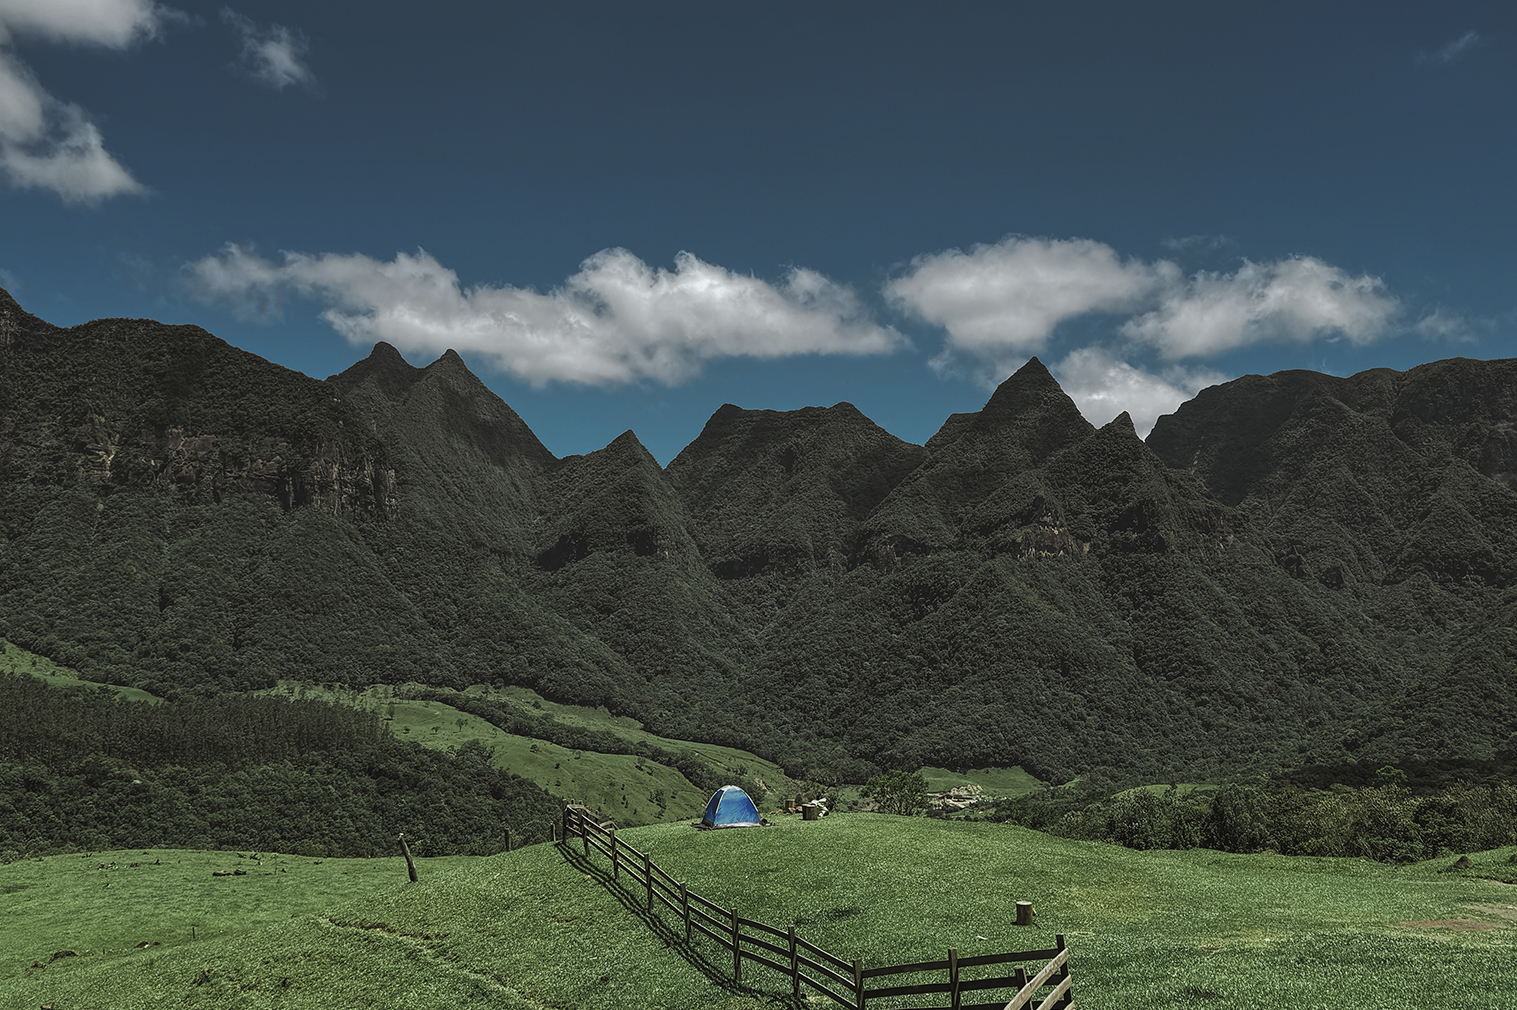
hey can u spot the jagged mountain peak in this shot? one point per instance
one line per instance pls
(629, 448)
(1122, 422)
(390, 373)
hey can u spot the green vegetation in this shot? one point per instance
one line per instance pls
(995, 782)
(83, 769)
(542, 927)
(1386, 821)
(607, 762)
(1295, 570)
(897, 792)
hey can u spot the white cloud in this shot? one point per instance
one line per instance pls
(1000, 303)
(1451, 327)
(49, 144)
(1455, 50)
(113, 23)
(274, 55)
(1103, 386)
(616, 320)
(1011, 295)
(1297, 300)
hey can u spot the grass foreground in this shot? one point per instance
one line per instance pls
(543, 927)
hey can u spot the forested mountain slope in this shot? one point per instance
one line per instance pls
(1282, 575)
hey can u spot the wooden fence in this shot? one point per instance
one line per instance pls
(847, 983)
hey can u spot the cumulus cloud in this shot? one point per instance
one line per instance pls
(1011, 295)
(617, 320)
(1296, 300)
(50, 144)
(1008, 299)
(274, 55)
(1455, 50)
(1103, 386)
(997, 304)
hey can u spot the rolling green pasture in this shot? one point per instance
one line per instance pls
(631, 789)
(997, 782)
(542, 927)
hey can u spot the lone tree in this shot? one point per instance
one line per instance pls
(897, 792)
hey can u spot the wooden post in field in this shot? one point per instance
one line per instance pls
(858, 984)
(1019, 978)
(684, 901)
(584, 830)
(795, 967)
(737, 953)
(1068, 998)
(953, 978)
(616, 863)
(1024, 913)
(406, 851)
(508, 839)
(648, 878)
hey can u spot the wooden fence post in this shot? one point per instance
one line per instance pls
(953, 978)
(858, 984)
(616, 863)
(406, 851)
(1069, 997)
(508, 839)
(737, 953)
(795, 967)
(584, 831)
(648, 878)
(684, 900)
(1019, 979)
(553, 832)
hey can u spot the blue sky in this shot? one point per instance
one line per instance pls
(624, 216)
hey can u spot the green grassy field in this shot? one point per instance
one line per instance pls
(631, 789)
(14, 659)
(996, 782)
(541, 927)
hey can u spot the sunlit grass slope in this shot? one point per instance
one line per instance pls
(632, 789)
(542, 927)
(994, 781)
(14, 659)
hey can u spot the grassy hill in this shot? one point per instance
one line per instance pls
(540, 927)
(632, 788)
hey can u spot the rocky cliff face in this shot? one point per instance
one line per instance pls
(129, 403)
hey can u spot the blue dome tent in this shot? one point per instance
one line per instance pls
(730, 807)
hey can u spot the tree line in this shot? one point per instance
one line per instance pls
(82, 770)
(1386, 821)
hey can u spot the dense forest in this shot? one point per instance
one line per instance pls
(81, 770)
(1385, 820)
(1296, 570)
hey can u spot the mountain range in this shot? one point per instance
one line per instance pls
(1291, 570)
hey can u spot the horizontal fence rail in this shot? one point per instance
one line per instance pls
(846, 983)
